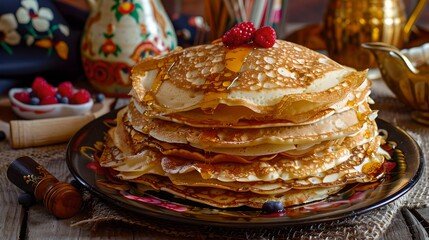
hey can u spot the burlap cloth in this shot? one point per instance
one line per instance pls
(370, 225)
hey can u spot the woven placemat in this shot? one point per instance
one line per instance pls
(370, 225)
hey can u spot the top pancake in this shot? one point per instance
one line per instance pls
(287, 82)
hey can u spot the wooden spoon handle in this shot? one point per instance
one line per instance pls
(32, 133)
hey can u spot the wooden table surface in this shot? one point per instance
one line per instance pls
(407, 224)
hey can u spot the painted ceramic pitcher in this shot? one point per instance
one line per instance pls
(118, 33)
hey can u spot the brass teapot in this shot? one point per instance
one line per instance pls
(406, 76)
(349, 23)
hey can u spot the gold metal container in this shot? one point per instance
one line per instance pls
(408, 82)
(349, 23)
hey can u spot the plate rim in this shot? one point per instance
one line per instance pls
(240, 224)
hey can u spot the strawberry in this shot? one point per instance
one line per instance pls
(80, 97)
(265, 37)
(50, 99)
(66, 89)
(23, 97)
(240, 34)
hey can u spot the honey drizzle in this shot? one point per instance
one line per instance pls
(234, 58)
(218, 85)
(165, 67)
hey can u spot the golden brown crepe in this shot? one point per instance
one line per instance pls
(240, 127)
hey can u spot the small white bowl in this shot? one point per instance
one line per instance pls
(28, 111)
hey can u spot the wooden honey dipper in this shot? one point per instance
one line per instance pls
(60, 198)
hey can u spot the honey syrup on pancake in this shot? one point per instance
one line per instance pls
(217, 85)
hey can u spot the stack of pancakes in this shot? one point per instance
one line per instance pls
(243, 126)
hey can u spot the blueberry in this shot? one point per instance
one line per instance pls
(272, 207)
(2, 136)
(34, 101)
(64, 100)
(33, 94)
(99, 97)
(26, 199)
(58, 96)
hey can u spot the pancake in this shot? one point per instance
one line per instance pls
(278, 168)
(220, 139)
(227, 199)
(231, 127)
(353, 170)
(286, 82)
(242, 117)
(353, 150)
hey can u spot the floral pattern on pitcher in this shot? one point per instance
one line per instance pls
(121, 8)
(109, 47)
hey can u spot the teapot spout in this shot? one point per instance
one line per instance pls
(415, 13)
(384, 50)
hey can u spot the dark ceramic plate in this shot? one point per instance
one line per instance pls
(356, 199)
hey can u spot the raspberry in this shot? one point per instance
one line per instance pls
(66, 89)
(241, 33)
(51, 99)
(23, 97)
(45, 91)
(42, 88)
(80, 97)
(38, 83)
(265, 37)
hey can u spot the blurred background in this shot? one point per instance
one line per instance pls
(194, 22)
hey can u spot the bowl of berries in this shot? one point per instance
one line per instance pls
(43, 100)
